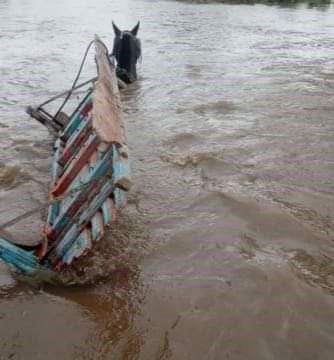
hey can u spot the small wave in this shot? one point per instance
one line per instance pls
(217, 107)
(115, 258)
(194, 158)
(31, 152)
(181, 139)
(220, 106)
(253, 252)
(194, 71)
(317, 271)
(8, 176)
(12, 176)
(118, 253)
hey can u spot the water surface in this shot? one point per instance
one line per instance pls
(226, 250)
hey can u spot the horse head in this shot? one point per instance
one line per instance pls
(127, 51)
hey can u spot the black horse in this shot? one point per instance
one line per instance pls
(127, 51)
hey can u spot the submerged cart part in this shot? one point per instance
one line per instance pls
(90, 175)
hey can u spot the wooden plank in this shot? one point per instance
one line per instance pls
(74, 144)
(97, 226)
(119, 198)
(96, 203)
(81, 244)
(112, 208)
(43, 119)
(22, 259)
(121, 171)
(56, 169)
(107, 113)
(76, 165)
(62, 119)
(82, 111)
(95, 180)
(65, 243)
(107, 212)
(65, 239)
(77, 183)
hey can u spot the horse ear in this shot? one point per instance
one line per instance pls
(117, 31)
(134, 31)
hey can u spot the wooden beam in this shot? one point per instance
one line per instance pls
(107, 112)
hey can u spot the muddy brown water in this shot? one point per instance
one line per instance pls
(226, 249)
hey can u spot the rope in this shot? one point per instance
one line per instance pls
(21, 217)
(53, 201)
(76, 79)
(67, 91)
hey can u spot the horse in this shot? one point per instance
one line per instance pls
(127, 51)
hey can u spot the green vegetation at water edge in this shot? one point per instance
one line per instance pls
(309, 3)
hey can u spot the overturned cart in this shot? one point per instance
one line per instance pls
(90, 175)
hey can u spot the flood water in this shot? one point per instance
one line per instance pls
(226, 250)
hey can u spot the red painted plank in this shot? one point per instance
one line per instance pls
(72, 148)
(77, 164)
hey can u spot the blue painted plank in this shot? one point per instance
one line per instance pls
(121, 170)
(22, 259)
(96, 203)
(56, 168)
(107, 211)
(71, 235)
(97, 226)
(54, 208)
(81, 244)
(119, 198)
(67, 241)
(75, 119)
(76, 141)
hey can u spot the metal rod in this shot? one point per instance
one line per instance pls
(67, 91)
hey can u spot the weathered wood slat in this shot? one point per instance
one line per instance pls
(82, 244)
(54, 208)
(107, 210)
(56, 169)
(96, 180)
(43, 119)
(75, 142)
(107, 113)
(76, 165)
(24, 260)
(119, 198)
(96, 203)
(121, 171)
(70, 237)
(82, 111)
(97, 226)
(66, 243)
